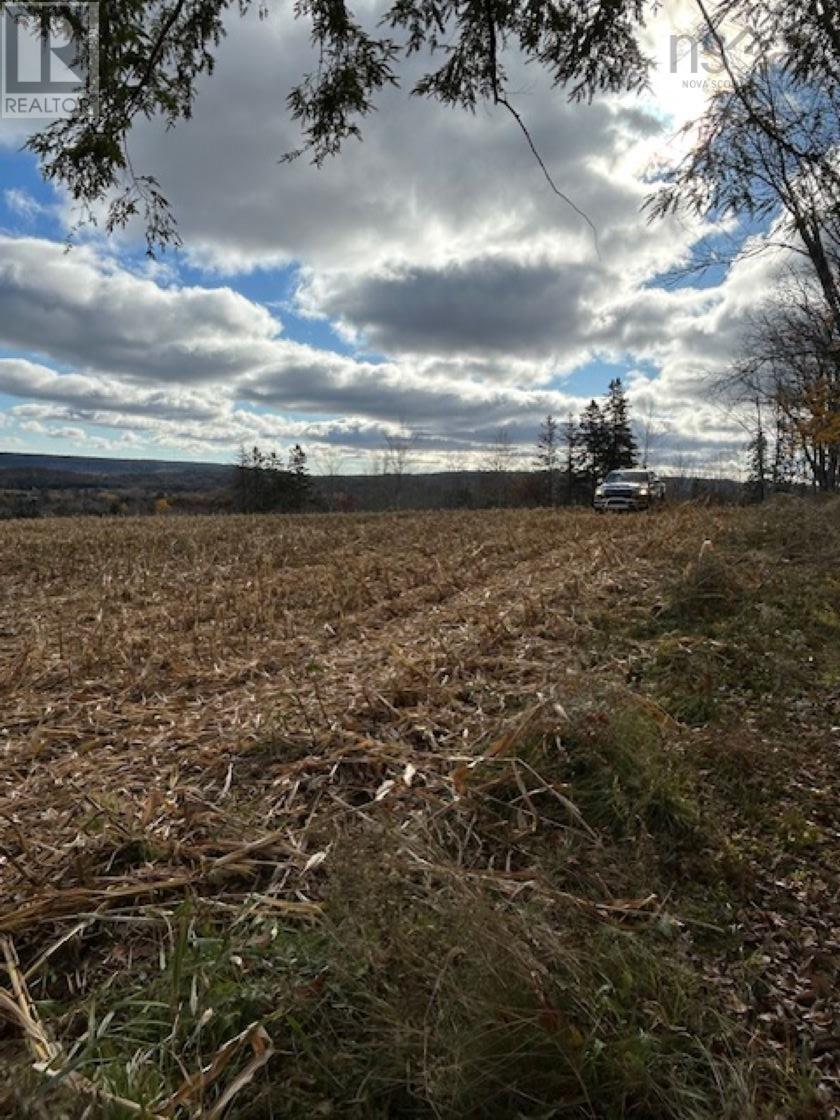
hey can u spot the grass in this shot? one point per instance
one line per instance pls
(625, 778)
(416, 1000)
(488, 822)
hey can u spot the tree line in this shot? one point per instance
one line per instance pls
(264, 483)
(571, 458)
(794, 436)
(787, 379)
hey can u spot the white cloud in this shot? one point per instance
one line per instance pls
(22, 203)
(83, 309)
(77, 435)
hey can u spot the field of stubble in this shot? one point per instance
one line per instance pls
(486, 814)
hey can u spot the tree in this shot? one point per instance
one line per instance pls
(329, 460)
(500, 455)
(768, 152)
(680, 485)
(548, 458)
(300, 489)
(786, 469)
(757, 460)
(619, 444)
(377, 460)
(605, 436)
(768, 142)
(153, 54)
(594, 443)
(398, 451)
(262, 484)
(396, 459)
(650, 428)
(497, 465)
(242, 481)
(258, 486)
(791, 366)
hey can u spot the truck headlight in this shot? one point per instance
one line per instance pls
(643, 492)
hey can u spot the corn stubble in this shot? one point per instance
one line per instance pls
(357, 816)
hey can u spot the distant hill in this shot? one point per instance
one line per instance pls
(26, 471)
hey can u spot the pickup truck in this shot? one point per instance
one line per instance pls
(629, 489)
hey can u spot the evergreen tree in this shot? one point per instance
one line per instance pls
(297, 461)
(242, 481)
(261, 484)
(785, 467)
(301, 484)
(153, 57)
(757, 460)
(593, 443)
(548, 458)
(620, 449)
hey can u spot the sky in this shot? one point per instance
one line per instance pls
(427, 281)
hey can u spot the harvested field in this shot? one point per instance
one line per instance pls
(488, 814)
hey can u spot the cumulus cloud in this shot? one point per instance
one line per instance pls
(143, 362)
(493, 305)
(82, 309)
(439, 235)
(84, 393)
(260, 384)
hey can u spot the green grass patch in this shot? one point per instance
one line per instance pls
(625, 777)
(416, 998)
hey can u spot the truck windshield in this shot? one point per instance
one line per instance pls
(627, 476)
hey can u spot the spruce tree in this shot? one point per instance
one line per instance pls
(784, 470)
(757, 460)
(242, 481)
(262, 485)
(301, 484)
(620, 445)
(593, 440)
